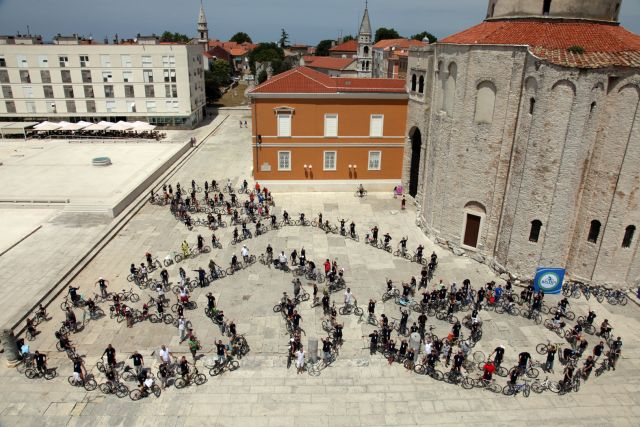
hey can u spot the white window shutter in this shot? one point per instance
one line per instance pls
(331, 125)
(284, 124)
(376, 125)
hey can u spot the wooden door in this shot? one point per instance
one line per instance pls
(472, 230)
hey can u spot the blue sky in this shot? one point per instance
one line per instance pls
(306, 21)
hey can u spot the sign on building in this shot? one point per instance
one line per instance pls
(549, 280)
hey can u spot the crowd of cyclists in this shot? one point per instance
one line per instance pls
(411, 343)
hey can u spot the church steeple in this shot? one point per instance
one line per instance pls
(365, 55)
(203, 31)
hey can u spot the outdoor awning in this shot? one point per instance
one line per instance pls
(47, 126)
(74, 126)
(121, 126)
(99, 126)
(144, 128)
(19, 125)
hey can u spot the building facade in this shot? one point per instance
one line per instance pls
(523, 148)
(73, 79)
(365, 46)
(390, 58)
(314, 131)
(333, 67)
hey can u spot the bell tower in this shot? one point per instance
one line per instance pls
(203, 31)
(365, 43)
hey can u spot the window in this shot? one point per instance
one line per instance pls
(284, 160)
(534, 234)
(66, 76)
(63, 60)
(330, 160)
(165, 73)
(22, 61)
(108, 91)
(111, 105)
(84, 61)
(421, 85)
(172, 105)
(4, 76)
(88, 92)
(24, 76)
(71, 106)
(146, 61)
(169, 61)
(131, 107)
(105, 60)
(148, 76)
(48, 91)
(628, 236)
(532, 105)
(45, 76)
(376, 127)
(91, 106)
(86, 76)
(107, 77)
(68, 91)
(485, 102)
(128, 91)
(331, 125)
(173, 76)
(11, 106)
(126, 61)
(167, 91)
(375, 160)
(27, 91)
(450, 89)
(43, 61)
(151, 106)
(284, 124)
(3, 62)
(126, 76)
(51, 107)
(414, 83)
(7, 92)
(594, 231)
(31, 106)
(546, 7)
(149, 92)
(174, 91)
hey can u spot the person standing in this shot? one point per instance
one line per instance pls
(182, 327)
(300, 360)
(403, 203)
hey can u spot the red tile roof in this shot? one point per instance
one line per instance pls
(327, 62)
(306, 80)
(398, 43)
(348, 46)
(234, 48)
(604, 44)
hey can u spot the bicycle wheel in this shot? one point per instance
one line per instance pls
(508, 390)
(178, 258)
(180, 383)
(90, 384)
(499, 309)
(64, 306)
(526, 390)
(343, 310)
(542, 348)
(570, 315)
(233, 365)
(533, 372)
(419, 369)
(168, 319)
(105, 388)
(622, 300)
(216, 370)
(576, 385)
(358, 311)
(467, 383)
(479, 357)
(153, 318)
(437, 375)
(200, 379)
(135, 394)
(553, 386)
(134, 297)
(30, 373)
(277, 308)
(122, 390)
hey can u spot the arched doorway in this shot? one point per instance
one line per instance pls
(414, 171)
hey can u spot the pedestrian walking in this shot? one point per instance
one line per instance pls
(403, 204)
(182, 327)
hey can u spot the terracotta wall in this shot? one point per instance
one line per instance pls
(307, 143)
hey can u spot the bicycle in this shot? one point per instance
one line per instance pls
(232, 269)
(128, 296)
(137, 394)
(47, 374)
(390, 293)
(88, 383)
(490, 385)
(539, 386)
(514, 389)
(117, 388)
(586, 326)
(530, 371)
(193, 377)
(351, 308)
(173, 257)
(530, 314)
(425, 369)
(218, 368)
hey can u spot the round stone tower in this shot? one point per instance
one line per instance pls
(593, 10)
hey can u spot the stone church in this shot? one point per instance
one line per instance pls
(523, 146)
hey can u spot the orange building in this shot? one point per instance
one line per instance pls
(315, 131)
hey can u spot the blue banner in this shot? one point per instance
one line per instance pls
(549, 280)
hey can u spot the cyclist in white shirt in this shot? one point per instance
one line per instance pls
(300, 360)
(348, 297)
(165, 354)
(282, 259)
(245, 253)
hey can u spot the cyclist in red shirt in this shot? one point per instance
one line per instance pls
(488, 370)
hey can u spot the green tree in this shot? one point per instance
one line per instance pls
(280, 67)
(265, 52)
(284, 39)
(323, 48)
(262, 77)
(241, 37)
(168, 36)
(425, 34)
(347, 38)
(385, 34)
(218, 77)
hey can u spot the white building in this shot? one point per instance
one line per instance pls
(74, 79)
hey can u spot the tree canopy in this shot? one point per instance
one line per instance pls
(265, 52)
(425, 34)
(347, 38)
(241, 37)
(284, 39)
(168, 36)
(385, 34)
(219, 76)
(323, 48)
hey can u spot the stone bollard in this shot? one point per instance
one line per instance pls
(10, 347)
(312, 350)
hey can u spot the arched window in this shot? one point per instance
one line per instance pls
(594, 231)
(450, 88)
(628, 236)
(366, 50)
(534, 234)
(593, 108)
(546, 7)
(366, 65)
(485, 102)
(414, 82)
(421, 85)
(532, 105)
